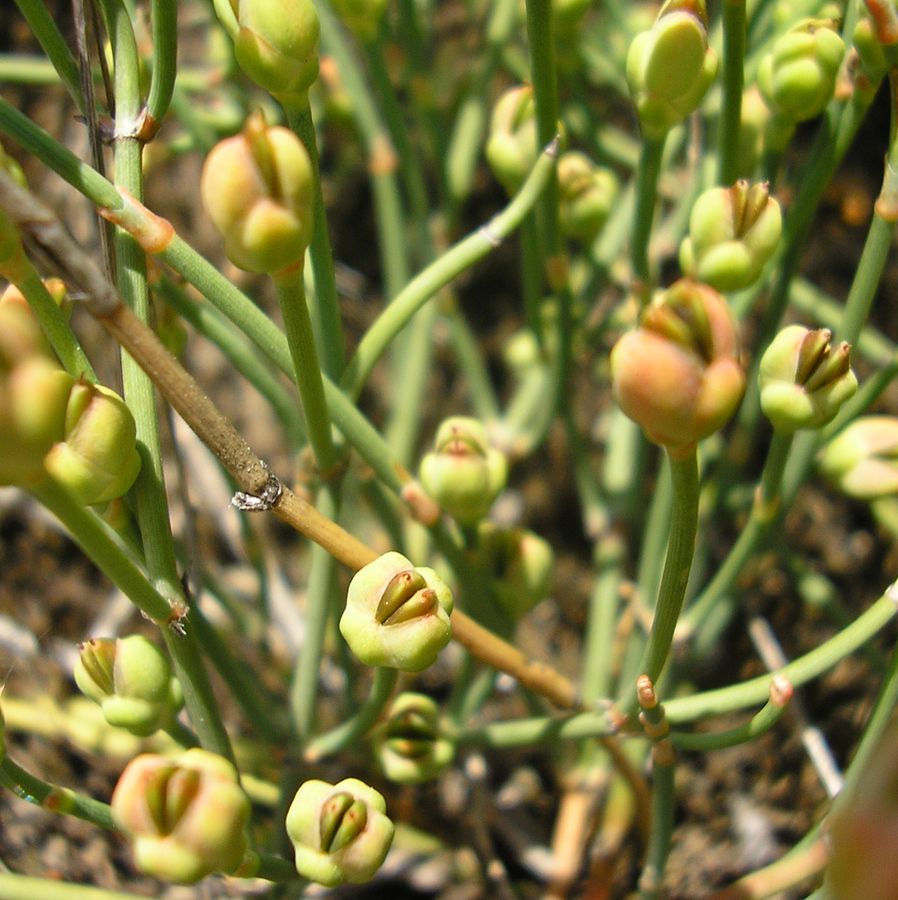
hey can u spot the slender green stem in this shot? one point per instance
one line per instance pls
(602, 621)
(540, 730)
(298, 324)
(647, 175)
(242, 681)
(798, 672)
(57, 799)
(25, 887)
(330, 328)
(466, 139)
(320, 594)
(54, 325)
(663, 807)
(654, 723)
(96, 539)
(42, 24)
(456, 260)
(164, 16)
(60, 159)
(677, 564)
(541, 41)
(758, 724)
(733, 79)
(149, 489)
(359, 723)
(764, 514)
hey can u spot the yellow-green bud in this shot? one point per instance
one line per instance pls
(34, 393)
(20, 333)
(361, 17)
(257, 189)
(276, 44)
(678, 374)
(339, 832)
(671, 66)
(862, 460)
(520, 563)
(804, 380)
(462, 472)
(797, 76)
(97, 458)
(132, 682)
(408, 744)
(186, 816)
(733, 232)
(586, 193)
(511, 147)
(397, 615)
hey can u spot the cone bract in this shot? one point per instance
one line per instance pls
(397, 615)
(97, 459)
(671, 66)
(462, 472)
(132, 682)
(186, 816)
(408, 744)
(276, 44)
(677, 374)
(804, 380)
(257, 189)
(34, 393)
(797, 76)
(862, 460)
(586, 193)
(511, 147)
(520, 563)
(733, 232)
(339, 832)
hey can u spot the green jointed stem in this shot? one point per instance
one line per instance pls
(764, 515)
(271, 341)
(59, 158)
(51, 797)
(466, 139)
(647, 174)
(456, 260)
(24, 887)
(758, 724)
(301, 340)
(149, 489)
(677, 563)
(798, 672)
(96, 539)
(243, 682)
(360, 722)
(733, 80)
(164, 16)
(55, 326)
(328, 319)
(320, 593)
(542, 730)
(43, 26)
(651, 883)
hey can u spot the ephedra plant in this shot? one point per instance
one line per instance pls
(532, 474)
